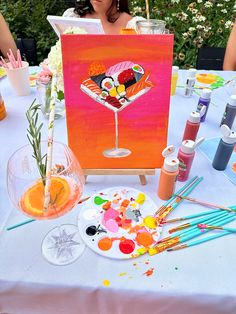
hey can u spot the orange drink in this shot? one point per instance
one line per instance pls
(127, 31)
(64, 194)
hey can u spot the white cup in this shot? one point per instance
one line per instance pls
(19, 78)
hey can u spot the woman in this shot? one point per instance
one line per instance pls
(114, 14)
(6, 40)
(230, 53)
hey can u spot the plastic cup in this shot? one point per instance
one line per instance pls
(19, 78)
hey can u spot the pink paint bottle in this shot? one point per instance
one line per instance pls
(169, 172)
(185, 155)
(193, 124)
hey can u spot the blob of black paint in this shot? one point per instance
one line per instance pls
(91, 230)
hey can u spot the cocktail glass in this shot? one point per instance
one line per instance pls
(116, 152)
(62, 245)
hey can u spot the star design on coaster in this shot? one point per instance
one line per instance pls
(64, 243)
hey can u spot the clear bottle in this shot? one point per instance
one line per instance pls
(186, 155)
(230, 112)
(193, 124)
(224, 149)
(190, 82)
(3, 113)
(204, 101)
(174, 79)
(44, 97)
(169, 173)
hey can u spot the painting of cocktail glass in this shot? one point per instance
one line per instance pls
(117, 93)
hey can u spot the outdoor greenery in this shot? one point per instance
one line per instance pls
(194, 23)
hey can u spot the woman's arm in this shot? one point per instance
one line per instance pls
(230, 53)
(6, 40)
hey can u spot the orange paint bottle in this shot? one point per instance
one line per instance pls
(169, 173)
(3, 113)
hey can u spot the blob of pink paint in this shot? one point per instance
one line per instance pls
(110, 214)
(112, 225)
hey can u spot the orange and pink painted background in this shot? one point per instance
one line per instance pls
(143, 124)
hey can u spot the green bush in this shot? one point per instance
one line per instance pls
(27, 19)
(194, 23)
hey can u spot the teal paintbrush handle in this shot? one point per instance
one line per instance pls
(199, 232)
(20, 224)
(215, 236)
(187, 192)
(205, 220)
(179, 191)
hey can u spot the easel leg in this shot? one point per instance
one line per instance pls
(142, 179)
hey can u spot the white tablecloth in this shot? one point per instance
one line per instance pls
(196, 280)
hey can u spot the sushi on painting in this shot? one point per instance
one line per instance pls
(117, 93)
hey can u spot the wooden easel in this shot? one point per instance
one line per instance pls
(140, 172)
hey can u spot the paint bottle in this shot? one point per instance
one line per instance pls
(224, 149)
(169, 173)
(204, 100)
(3, 113)
(193, 124)
(186, 155)
(174, 79)
(230, 112)
(190, 82)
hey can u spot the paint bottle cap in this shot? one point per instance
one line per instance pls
(171, 164)
(229, 136)
(175, 69)
(232, 101)
(194, 117)
(192, 73)
(206, 93)
(188, 146)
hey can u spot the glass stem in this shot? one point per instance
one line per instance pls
(116, 125)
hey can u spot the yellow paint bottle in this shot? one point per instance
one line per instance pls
(174, 80)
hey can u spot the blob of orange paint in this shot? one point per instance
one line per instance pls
(234, 167)
(105, 244)
(144, 238)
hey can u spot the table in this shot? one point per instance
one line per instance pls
(196, 280)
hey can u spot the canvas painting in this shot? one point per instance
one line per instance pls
(117, 93)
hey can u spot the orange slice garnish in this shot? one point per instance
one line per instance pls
(33, 199)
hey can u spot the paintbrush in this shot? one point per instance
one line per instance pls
(183, 246)
(177, 202)
(193, 200)
(174, 197)
(190, 216)
(31, 220)
(193, 226)
(204, 226)
(196, 221)
(190, 235)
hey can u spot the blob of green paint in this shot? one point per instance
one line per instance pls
(99, 201)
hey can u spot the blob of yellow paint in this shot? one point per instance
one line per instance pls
(150, 222)
(141, 251)
(106, 283)
(140, 198)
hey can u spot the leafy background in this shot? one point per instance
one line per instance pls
(194, 23)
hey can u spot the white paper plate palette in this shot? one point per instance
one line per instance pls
(118, 223)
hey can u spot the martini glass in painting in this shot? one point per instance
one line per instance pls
(116, 88)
